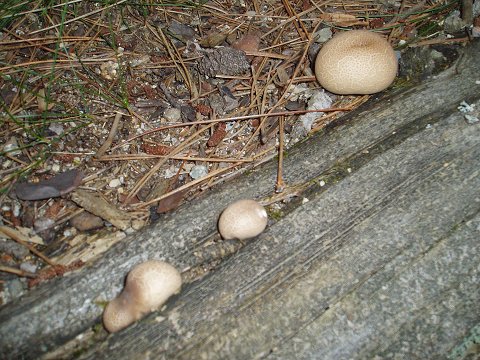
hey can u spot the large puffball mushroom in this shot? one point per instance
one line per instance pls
(147, 287)
(242, 219)
(356, 62)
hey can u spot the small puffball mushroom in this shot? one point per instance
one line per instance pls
(356, 62)
(147, 287)
(242, 219)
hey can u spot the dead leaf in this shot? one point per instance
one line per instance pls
(97, 205)
(58, 185)
(156, 149)
(218, 135)
(170, 202)
(213, 39)
(248, 43)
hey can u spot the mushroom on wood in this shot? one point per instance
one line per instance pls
(242, 219)
(356, 62)
(148, 286)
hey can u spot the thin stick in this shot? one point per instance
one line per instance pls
(128, 157)
(111, 135)
(467, 12)
(12, 234)
(188, 185)
(189, 141)
(302, 32)
(280, 185)
(39, 9)
(18, 272)
(77, 18)
(235, 118)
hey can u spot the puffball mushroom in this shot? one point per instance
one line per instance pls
(356, 62)
(242, 219)
(147, 287)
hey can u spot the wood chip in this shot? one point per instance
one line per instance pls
(99, 206)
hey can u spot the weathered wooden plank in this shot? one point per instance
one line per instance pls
(352, 273)
(56, 312)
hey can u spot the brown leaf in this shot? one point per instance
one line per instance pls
(171, 202)
(248, 43)
(156, 149)
(203, 109)
(124, 199)
(218, 135)
(99, 206)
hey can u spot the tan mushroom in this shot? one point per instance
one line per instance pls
(148, 286)
(242, 219)
(356, 62)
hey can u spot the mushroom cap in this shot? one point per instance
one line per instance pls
(148, 286)
(151, 283)
(242, 219)
(119, 313)
(356, 62)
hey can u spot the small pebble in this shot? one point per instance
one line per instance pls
(56, 168)
(109, 70)
(471, 119)
(86, 221)
(42, 224)
(17, 207)
(138, 224)
(129, 231)
(114, 183)
(28, 267)
(56, 128)
(323, 35)
(6, 164)
(198, 171)
(69, 232)
(172, 114)
(10, 146)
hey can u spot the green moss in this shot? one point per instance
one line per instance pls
(97, 328)
(402, 83)
(101, 304)
(275, 214)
